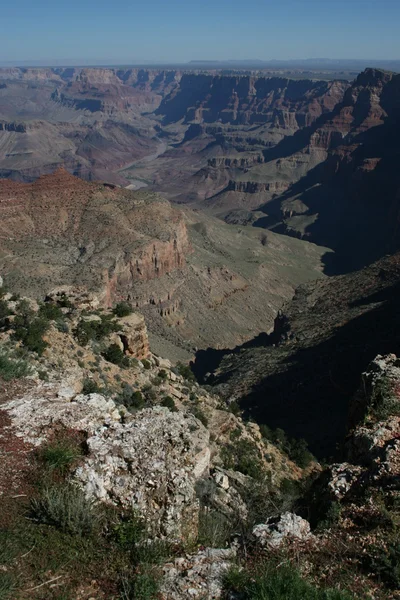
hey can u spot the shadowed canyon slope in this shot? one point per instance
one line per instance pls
(198, 281)
(302, 376)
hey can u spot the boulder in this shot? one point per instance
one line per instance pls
(276, 530)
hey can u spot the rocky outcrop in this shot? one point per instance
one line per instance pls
(16, 127)
(278, 529)
(151, 465)
(255, 187)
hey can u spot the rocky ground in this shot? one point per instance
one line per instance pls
(101, 438)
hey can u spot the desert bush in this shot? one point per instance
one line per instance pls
(215, 528)
(197, 412)
(243, 455)
(12, 368)
(51, 311)
(185, 371)
(149, 392)
(67, 508)
(130, 398)
(30, 331)
(169, 402)
(146, 364)
(122, 309)
(87, 331)
(296, 449)
(114, 354)
(90, 386)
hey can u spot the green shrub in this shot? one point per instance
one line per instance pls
(87, 331)
(122, 309)
(130, 531)
(130, 398)
(4, 310)
(67, 508)
(276, 583)
(60, 455)
(114, 354)
(243, 456)
(332, 516)
(90, 386)
(51, 312)
(12, 368)
(31, 332)
(185, 371)
(296, 449)
(199, 414)
(169, 402)
(146, 364)
(385, 564)
(234, 408)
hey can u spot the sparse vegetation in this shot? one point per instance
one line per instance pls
(12, 367)
(296, 449)
(96, 329)
(146, 364)
(274, 582)
(384, 402)
(185, 371)
(199, 414)
(66, 507)
(244, 456)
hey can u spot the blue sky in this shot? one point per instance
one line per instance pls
(182, 30)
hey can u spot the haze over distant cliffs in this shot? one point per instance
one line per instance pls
(304, 157)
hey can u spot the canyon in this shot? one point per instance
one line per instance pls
(192, 276)
(199, 290)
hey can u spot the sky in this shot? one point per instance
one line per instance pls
(183, 30)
